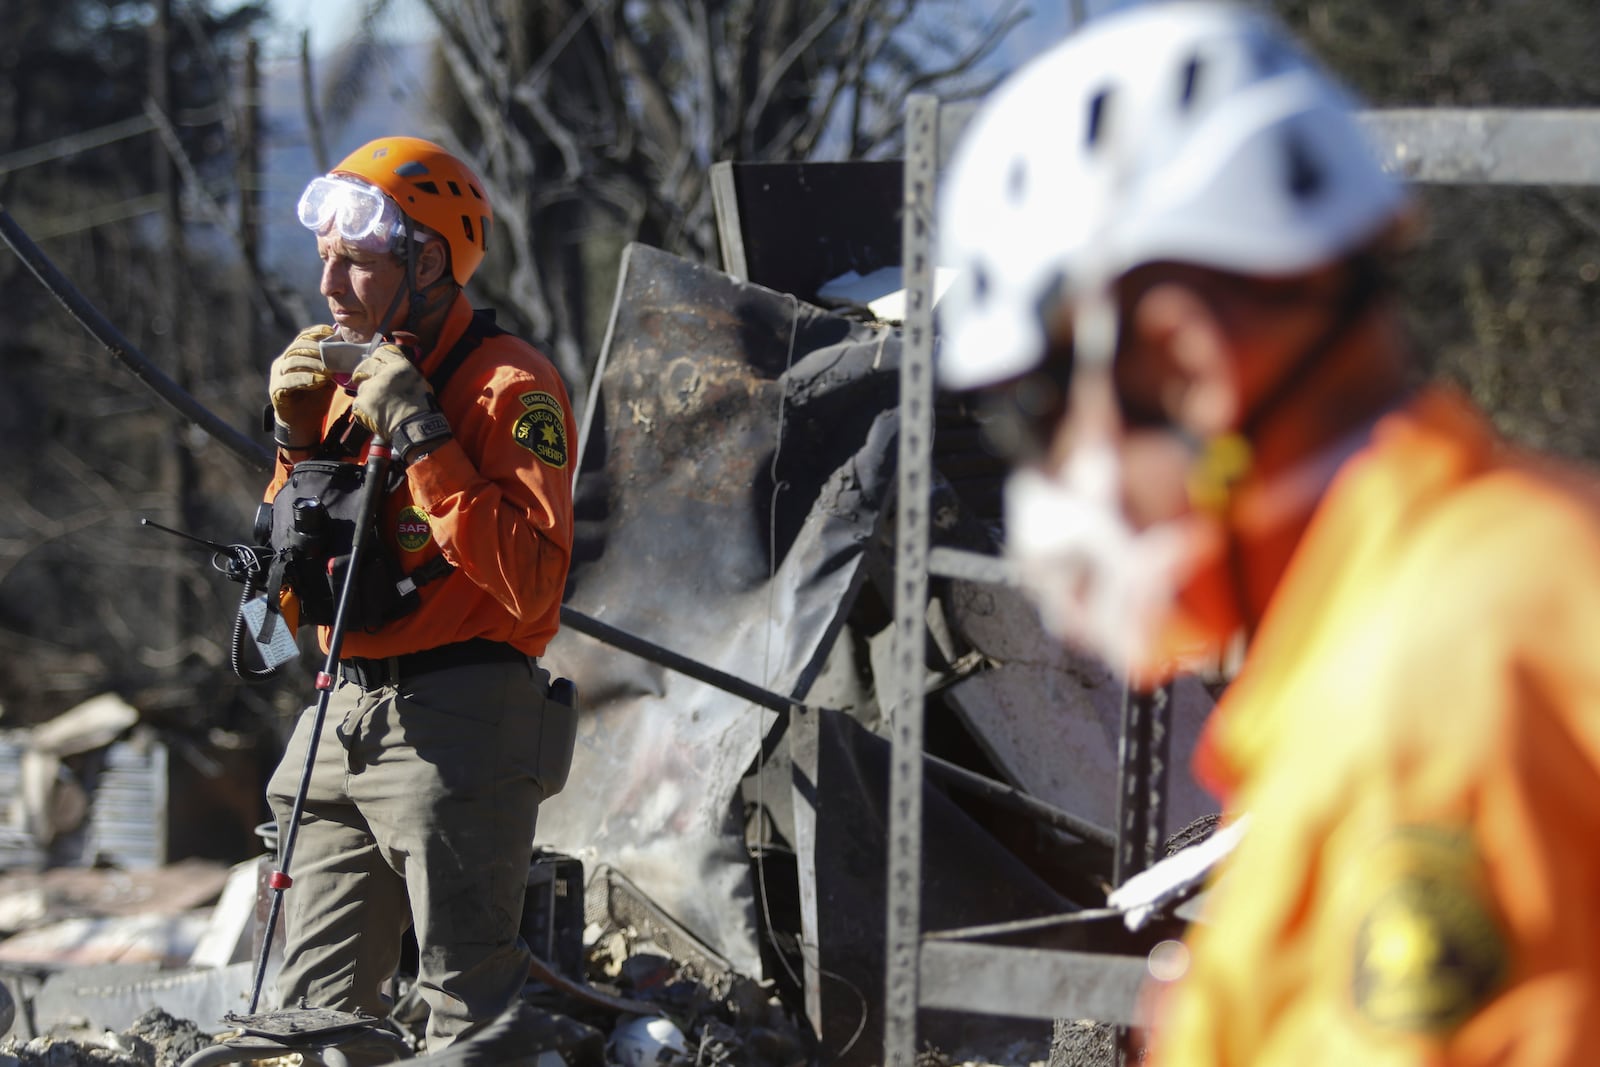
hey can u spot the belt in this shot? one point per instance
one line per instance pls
(377, 673)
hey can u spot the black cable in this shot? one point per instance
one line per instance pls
(100, 329)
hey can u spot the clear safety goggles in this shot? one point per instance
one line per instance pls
(356, 211)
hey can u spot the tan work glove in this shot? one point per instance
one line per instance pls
(395, 401)
(300, 390)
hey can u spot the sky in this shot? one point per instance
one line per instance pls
(331, 21)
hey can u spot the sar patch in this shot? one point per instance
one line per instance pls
(542, 428)
(1429, 950)
(412, 530)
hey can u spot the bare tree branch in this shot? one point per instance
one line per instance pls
(308, 96)
(780, 70)
(600, 118)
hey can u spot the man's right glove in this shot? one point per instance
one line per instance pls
(300, 389)
(395, 401)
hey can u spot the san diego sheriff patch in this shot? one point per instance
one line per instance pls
(411, 529)
(542, 428)
(1429, 950)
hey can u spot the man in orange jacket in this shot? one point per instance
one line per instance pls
(433, 759)
(1173, 243)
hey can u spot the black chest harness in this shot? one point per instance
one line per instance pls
(309, 527)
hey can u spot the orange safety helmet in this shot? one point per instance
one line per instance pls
(434, 189)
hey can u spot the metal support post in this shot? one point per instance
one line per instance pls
(907, 679)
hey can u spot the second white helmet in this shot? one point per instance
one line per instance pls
(1182, 131)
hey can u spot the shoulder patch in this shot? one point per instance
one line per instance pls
(412, 530)
(1429, 950)
(542, 428)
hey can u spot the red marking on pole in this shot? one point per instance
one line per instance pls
(279, 880)
(324, 680)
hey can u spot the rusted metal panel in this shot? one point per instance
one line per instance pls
(736, 459)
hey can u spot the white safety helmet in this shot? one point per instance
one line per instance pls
(1179, 131)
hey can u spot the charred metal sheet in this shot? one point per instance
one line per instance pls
(1050, 720)
(737, 451)
(1032, 983)
(794, 226)
(841, 798)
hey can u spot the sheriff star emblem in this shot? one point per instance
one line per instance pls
(1428, 950)
(542, 428)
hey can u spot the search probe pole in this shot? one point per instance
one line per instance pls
(378, 453)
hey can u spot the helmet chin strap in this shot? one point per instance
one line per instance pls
(414, 313)
(409, 291)
(388, 316)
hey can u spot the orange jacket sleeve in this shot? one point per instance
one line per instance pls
(1421, 760)
(506, 521)
(495, 501)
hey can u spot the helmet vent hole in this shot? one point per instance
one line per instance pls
(455, 190)
(1191, 81)
(1017, 181)
(1051, 294)
(475, 194)
(1304, 173)
(1097, 117)
(484, 230)
(428, 187)
(466, 227)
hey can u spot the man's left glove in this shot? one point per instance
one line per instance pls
(394, 400)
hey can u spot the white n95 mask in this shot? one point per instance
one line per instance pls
(1098, 583)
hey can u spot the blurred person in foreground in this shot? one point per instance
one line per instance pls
(1173, 244)
(434, 757)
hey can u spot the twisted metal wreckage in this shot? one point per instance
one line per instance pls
(764, 646)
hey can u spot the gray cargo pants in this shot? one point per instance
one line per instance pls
(420, 812)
